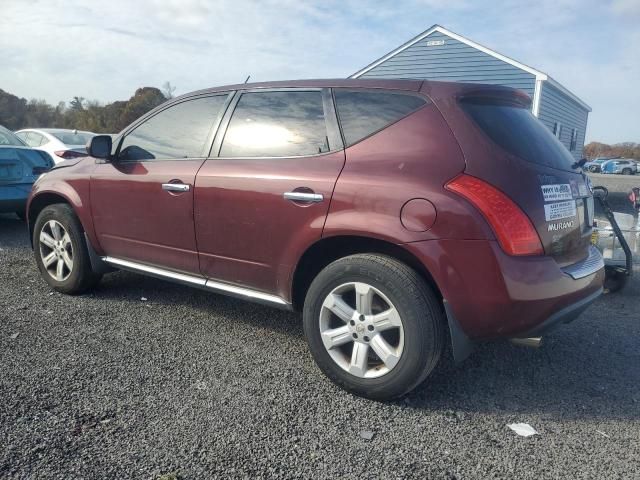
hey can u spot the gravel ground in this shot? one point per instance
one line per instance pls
(619, 187)
(189, 384)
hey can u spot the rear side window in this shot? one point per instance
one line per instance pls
(515, 129)
(363, 113)
(180, 131)
(277, 124)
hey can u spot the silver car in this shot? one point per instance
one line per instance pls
(620, 166)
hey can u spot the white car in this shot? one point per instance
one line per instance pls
(60, 143)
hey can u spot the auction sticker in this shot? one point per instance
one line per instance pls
(560, 191)
(556, 211)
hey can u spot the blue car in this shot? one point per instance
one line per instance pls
(20, 166)
(620, 166)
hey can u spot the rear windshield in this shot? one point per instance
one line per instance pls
(514, 128)
(70, 138)
(9, 138)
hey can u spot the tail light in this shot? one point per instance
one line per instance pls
(67, 154)
(512, 227)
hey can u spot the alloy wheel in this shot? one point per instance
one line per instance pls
(56, 250)
(361, 330)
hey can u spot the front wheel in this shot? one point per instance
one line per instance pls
(373, 325)
(61, 252)
(626, 171)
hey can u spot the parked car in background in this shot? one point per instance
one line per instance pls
(620, 166)
(60, 143)
(387, 211)
(595, 165)
(20, 166)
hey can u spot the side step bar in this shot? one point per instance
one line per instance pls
(200, 282)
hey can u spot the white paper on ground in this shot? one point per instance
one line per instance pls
(523, 429)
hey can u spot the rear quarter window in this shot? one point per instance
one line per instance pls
(362, 113)
(514, 128)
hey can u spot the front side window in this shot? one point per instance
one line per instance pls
(180, 131)
(277, 124)
(362, 113)
(34, 139)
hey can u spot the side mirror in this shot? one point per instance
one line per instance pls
(100, 146)
(579, 164)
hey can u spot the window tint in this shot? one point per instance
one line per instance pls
(362, 113)
(517, 131)
(276, 124)
(180, 131)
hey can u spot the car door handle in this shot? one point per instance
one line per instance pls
(303, 197)
(176, 187)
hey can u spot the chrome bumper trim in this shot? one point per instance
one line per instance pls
(196, 281)
(586, 267)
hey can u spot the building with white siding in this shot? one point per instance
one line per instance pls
(440, 54)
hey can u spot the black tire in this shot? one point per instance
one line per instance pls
(81, 277)
(420, 312)
(626, 171)
(614, 280)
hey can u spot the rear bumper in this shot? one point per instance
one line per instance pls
(493, 295)
(565, 315)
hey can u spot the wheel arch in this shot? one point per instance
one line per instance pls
(329, 249)
(42, 200)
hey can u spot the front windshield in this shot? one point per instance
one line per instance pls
(7, 137)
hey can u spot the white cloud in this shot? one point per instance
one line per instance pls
(626, 7)
(56, 49)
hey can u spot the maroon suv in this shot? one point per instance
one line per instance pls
(396, 215)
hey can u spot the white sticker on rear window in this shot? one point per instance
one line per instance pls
(556, 211)
(552, 193)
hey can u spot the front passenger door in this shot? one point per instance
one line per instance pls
(142, 201)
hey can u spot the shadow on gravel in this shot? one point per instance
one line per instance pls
(586, 369)
(13, 231)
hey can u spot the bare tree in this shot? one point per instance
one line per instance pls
(167, 90)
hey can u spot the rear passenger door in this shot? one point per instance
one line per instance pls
(263, 197)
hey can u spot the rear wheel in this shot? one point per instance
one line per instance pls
(61, 252)
(374, 327)
(626, 171)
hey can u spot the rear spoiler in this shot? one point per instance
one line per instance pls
(496, 96)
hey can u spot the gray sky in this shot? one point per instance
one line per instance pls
(104, 50)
